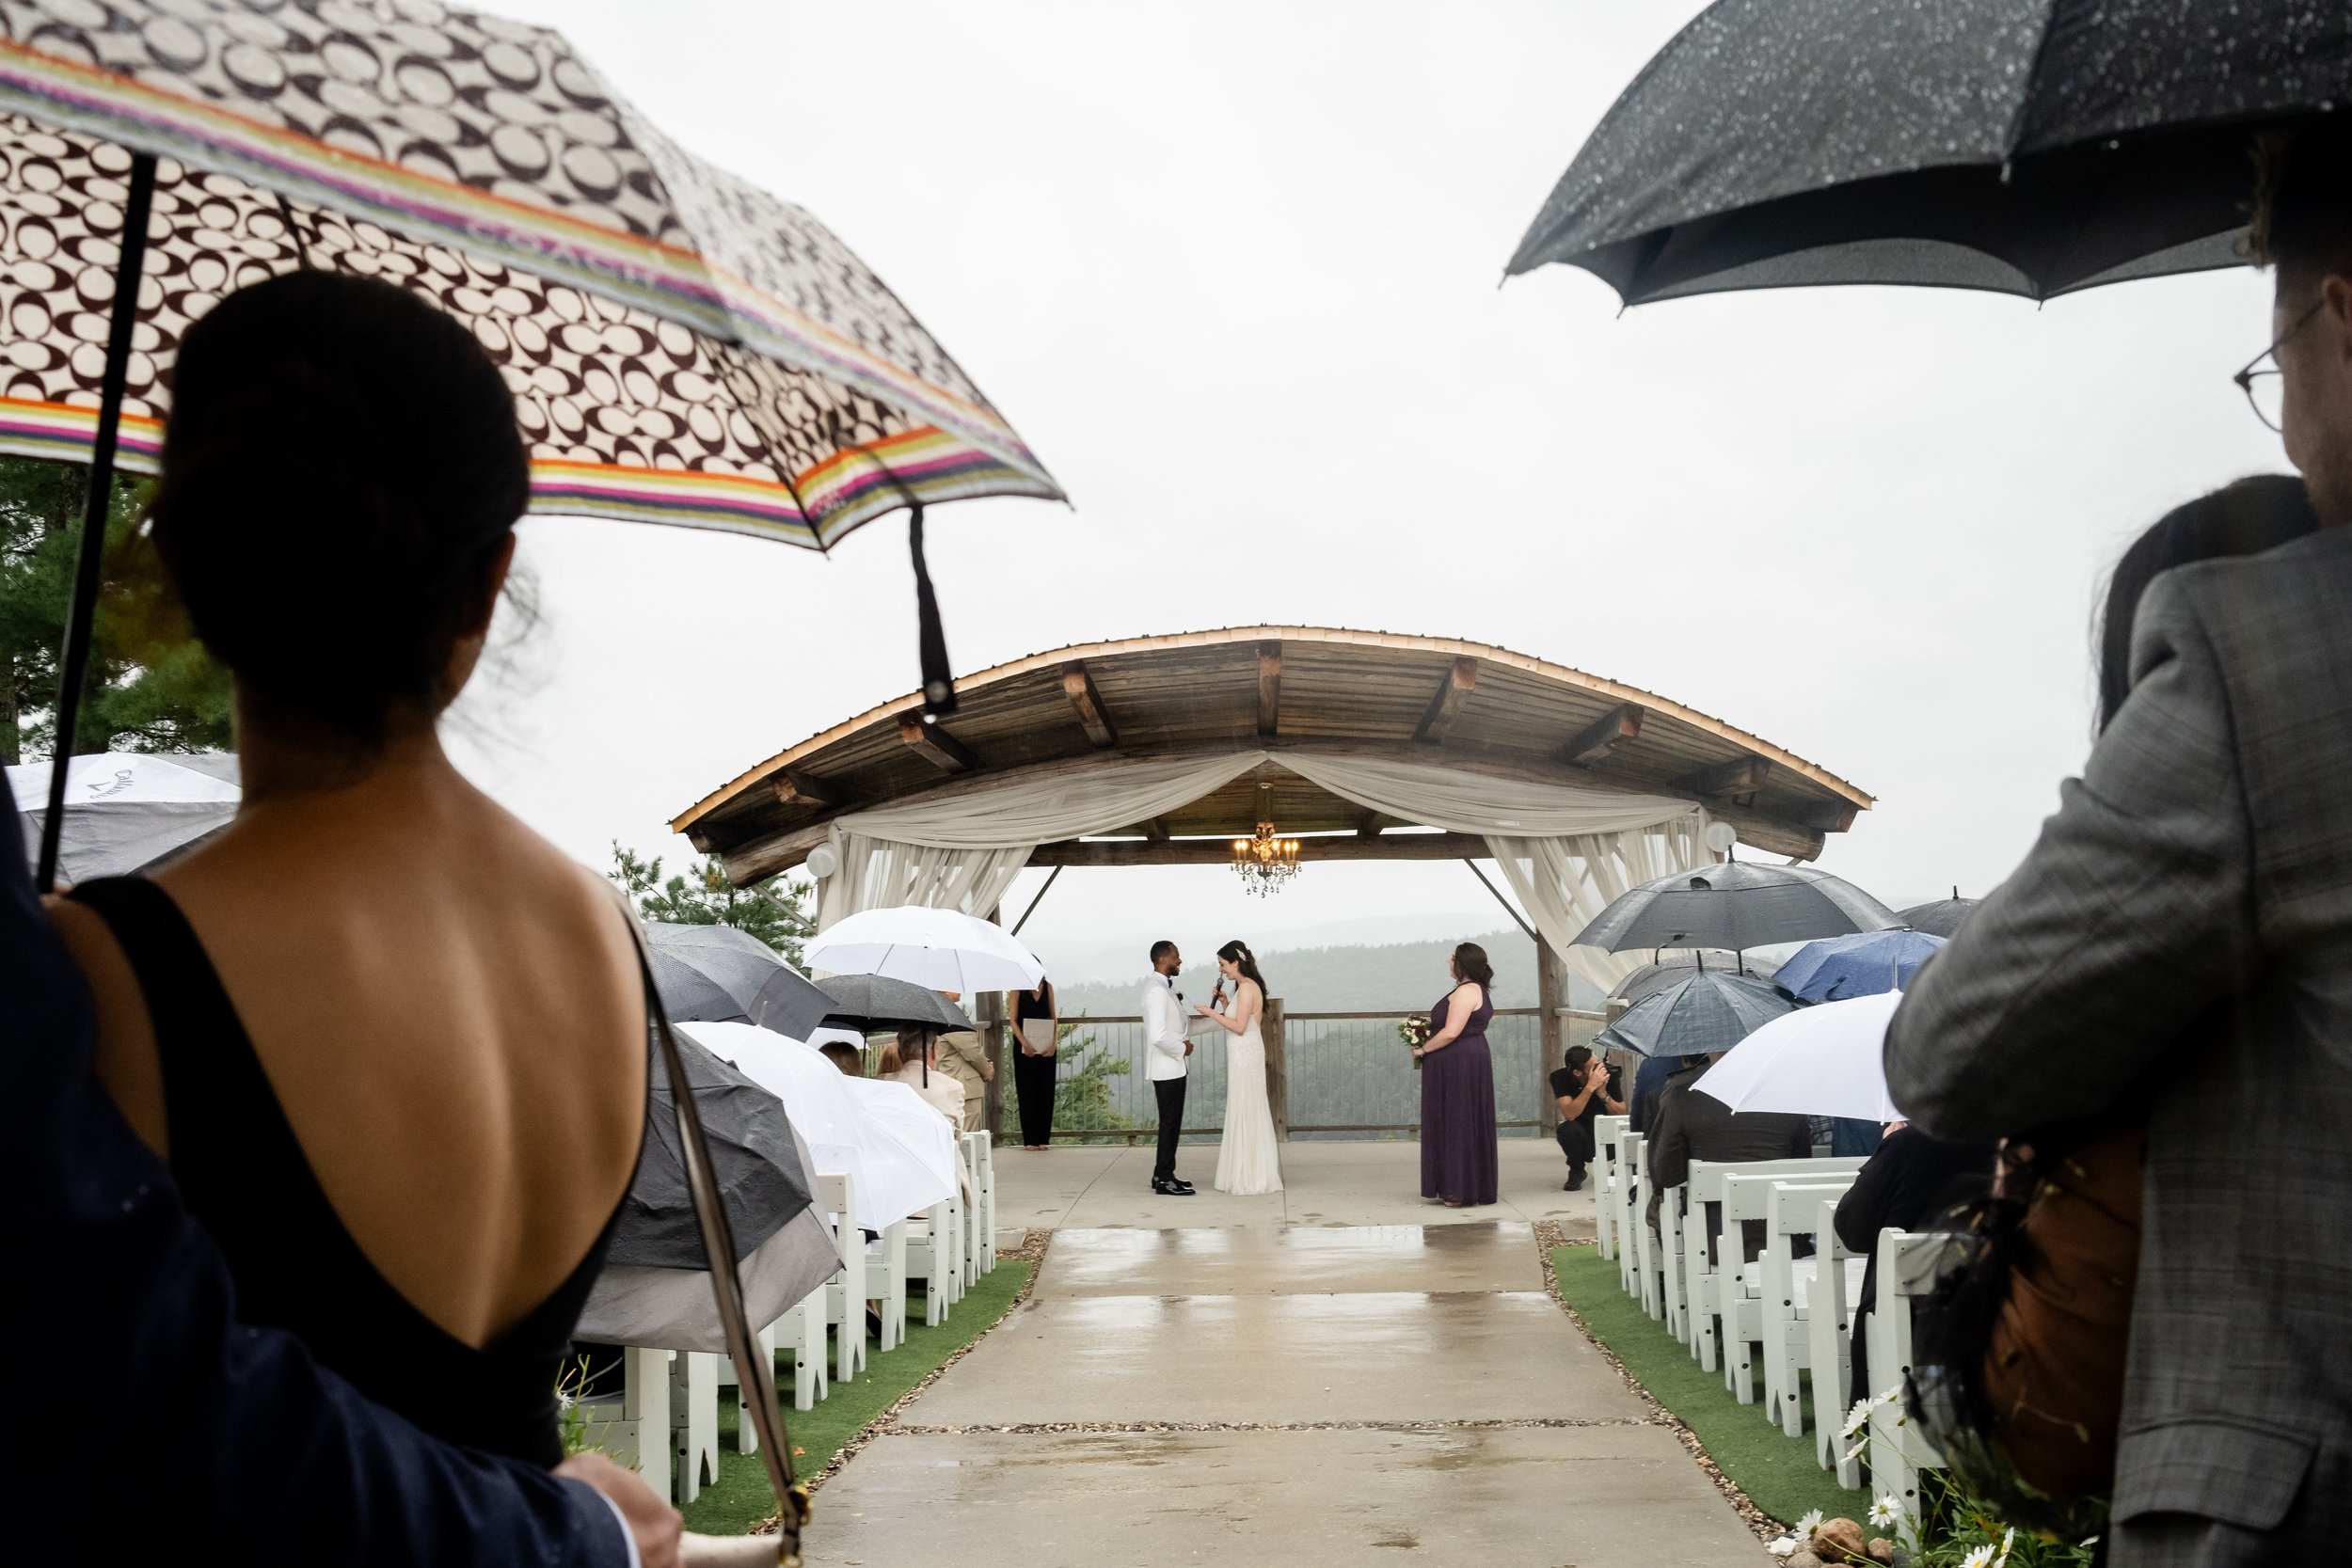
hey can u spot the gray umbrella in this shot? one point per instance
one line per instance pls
(1942, 918)
(873, 1002)
(2033, 147)
(761, 1179)
(767, 990)
(1735, 905)
(689, 995)
(1705, 1010)
(1671, 967)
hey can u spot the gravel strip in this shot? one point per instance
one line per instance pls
(1031, 1428)
(1766, 1528)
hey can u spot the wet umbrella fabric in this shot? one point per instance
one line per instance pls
(128, 811)
(1866, 964)
(1669, 967)
(684, 347)
(872, 1002)
(1705, 1012)
(689, 995)
(1942, 918)
(2033, 147)
(1735, 905)
(761, 1182)
(936, 949)
(766, 989)
(1820, 1061)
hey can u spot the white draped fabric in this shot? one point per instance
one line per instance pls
(1566, 850)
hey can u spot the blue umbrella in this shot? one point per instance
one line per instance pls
(1864, 964)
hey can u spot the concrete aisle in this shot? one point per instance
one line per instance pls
(1287, 1393)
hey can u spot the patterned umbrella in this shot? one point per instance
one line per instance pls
(684, 347)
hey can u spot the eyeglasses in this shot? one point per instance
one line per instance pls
(2267, 388)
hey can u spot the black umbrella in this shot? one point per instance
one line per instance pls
(2029, 148)
(873, 1002)
(1735, 905)
(1705, 1010)
(761, 1184)
(1942, 918)
(689, 995)
(1670, 967)
(767, 990)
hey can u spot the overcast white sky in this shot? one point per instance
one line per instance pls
(1230, 269)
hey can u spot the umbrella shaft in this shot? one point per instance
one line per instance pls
(82, 611)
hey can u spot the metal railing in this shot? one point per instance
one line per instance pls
(1349, 1075)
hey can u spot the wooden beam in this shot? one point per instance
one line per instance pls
(1155, 830)
(1269, 688)
(796, 789)
(1829, 816)
(1774, 835)
(1367, 826)
(1622, 722)
(1219, 852)
(699, 839)
(935, 745)
(1740, 776)
(1447, 704)
(1078, 686)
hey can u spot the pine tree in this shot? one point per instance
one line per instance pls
(776, 912)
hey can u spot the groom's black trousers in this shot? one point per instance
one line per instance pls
(1170, 1092)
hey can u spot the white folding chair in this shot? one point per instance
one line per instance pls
(802, 1330)
(694, 1420)
(967, 1151)
(1898, 1452)
(1830, 1327)
(984, 1202)
(1715, 1281)
(1673, 1274)
(928, 1255)
(1606, 1132)
(1632, 1188)
(887, 1276)
(845, 1297)
(638, 1436)
(1790, 1287)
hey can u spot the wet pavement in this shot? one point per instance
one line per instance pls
(1300, 1394)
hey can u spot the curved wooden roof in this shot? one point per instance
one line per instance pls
(1275, 687)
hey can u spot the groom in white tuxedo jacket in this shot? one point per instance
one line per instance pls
(1165, 1048)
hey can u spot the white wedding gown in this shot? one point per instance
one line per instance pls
(1249, 1160)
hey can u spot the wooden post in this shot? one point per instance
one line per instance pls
(1552, 994)
(988, 1009)
(1277, 1073)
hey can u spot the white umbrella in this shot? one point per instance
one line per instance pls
(894, 1111)
(936, 949)
(127, 810)
(889, 1181)
(1818, 1061)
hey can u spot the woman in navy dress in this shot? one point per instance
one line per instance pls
(1458, 1155)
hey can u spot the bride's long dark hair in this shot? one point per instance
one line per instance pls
(1237, 954)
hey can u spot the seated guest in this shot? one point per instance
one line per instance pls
(1649, 1079)
(1582, 1089)
(960, 1055)
(847, 1057)
(912, 1059)
(1693, 1126)
(333, 1020)
(1911, 1179)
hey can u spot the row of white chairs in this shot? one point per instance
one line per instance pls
(1784, 1318)
(948, 1247)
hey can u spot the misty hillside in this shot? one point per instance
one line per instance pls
(1352, 978)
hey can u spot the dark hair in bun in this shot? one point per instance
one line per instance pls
(1470, 962)
(341, 470)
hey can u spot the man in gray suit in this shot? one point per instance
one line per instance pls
(2200, 872)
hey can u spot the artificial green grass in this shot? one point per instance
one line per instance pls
(1776, 1471)
(740, 1498)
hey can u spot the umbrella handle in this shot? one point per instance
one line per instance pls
(732, 1551)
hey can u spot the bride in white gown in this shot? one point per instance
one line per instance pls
(1249, 1160)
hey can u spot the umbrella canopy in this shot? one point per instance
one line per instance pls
(871, 1001)
(1704, 1011)
(1735, 905)
(683, 346)
(1820, 1061)
(895, 1112)
(689, 995)
(936, 949)
(2033, 147)
(1942, 918)
(1864, 964)
(761, 1181)
(766, 990)
(126, 811)
(1670, 967)
(888, 1182)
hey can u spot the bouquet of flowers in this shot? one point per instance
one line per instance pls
(1414, 1030)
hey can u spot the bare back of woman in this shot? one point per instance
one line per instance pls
(445, 1013)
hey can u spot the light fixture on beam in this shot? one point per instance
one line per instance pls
(1263, 861)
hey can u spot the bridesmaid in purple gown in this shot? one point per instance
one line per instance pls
(1458, 1156)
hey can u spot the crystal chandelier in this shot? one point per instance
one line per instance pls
(1265, 862)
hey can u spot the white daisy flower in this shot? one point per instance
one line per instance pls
(1980, 1557)
(2007, 1540)
(1884, 1511)
(1806, 1526)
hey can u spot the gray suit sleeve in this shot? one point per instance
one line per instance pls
(2132, 912)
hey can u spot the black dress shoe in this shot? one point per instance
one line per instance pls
(1181, 1182)
(1170, 1188)
(1573, 1182)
